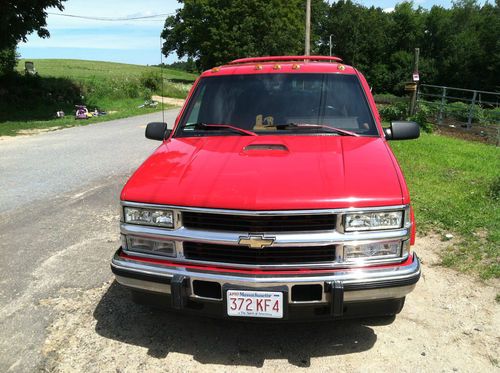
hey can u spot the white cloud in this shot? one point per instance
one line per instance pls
(388, 10)
(106, 41)
(108, 9)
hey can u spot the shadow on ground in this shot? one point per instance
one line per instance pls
(212, 341)
(27, 98)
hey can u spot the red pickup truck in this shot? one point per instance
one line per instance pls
(275, 196)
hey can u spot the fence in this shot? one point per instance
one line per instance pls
(472, 112)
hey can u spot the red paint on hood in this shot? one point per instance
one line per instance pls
(301, 172)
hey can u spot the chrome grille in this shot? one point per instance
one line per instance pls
(266, 256)
(259, 223)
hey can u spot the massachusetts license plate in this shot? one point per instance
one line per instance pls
(249, 303)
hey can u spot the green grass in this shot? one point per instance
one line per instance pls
(31, 102)
(119, 108)
(86, 70)
(454, 186)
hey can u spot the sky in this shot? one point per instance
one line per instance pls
(136, 42)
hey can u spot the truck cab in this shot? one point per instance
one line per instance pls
(275, 196)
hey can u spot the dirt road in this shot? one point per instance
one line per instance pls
(450, 323)
(60, 310)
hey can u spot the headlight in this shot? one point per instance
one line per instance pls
(373, 220)
(143, 245)
(146, 216)
(378, 250)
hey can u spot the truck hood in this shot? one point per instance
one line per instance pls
(268, 173)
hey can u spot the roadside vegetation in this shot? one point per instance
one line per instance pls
(31, 102)
(394, 108)
(455, 189)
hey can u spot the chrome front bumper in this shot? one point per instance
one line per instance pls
(340, 286)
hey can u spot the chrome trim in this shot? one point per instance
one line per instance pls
(348, 277)
(143, 285)
(180, 259)
(281, 239)
(366, 276)
(372, 294)
(335, 237)
(264, 213)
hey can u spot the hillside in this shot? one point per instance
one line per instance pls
(30, 102)
(82, 70)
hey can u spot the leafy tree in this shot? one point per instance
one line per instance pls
(214, 32)
(459, 47)
(8, 61)
(19, 18)
(408, 26)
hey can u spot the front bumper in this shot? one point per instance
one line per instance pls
(340, 289)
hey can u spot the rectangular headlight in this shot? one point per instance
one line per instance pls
(373, 221)
(388, 249)
(147, 246)
(147, 216)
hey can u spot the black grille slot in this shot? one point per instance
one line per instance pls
(269, 255)
(307, 293)
(207, 289)
(245, 223)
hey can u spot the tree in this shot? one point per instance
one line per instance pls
(19, 18)
(8, 60)
(213, 32)
(459, 47)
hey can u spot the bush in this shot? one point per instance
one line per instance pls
(151, 80)
(388, 98)
(490, 116)
(460, 111)
(392, 112)
(422, 117)
(8, 60)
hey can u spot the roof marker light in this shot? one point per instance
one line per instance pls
(295, 66)
(341, 67)
(216, 69)
(277, 66)
(258, 67)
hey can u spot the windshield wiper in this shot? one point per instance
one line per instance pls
(320, 126)
(206, 126)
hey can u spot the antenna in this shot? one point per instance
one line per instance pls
(161, 77)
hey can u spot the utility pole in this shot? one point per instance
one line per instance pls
(416, 78)
(308, 28)
(331, 44)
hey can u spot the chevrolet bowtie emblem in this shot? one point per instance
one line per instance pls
(256, 242)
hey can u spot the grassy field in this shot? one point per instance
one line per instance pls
(30, 103)
(455, 188)
(121, 108)
(88, 70)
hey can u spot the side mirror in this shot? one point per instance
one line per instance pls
(157, 131)
(402, 130)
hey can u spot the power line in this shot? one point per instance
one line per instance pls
(111, 19)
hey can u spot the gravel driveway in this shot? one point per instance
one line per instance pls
(61, 311)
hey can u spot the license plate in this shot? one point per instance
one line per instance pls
(249, 303)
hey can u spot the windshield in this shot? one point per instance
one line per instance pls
(278, 103)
